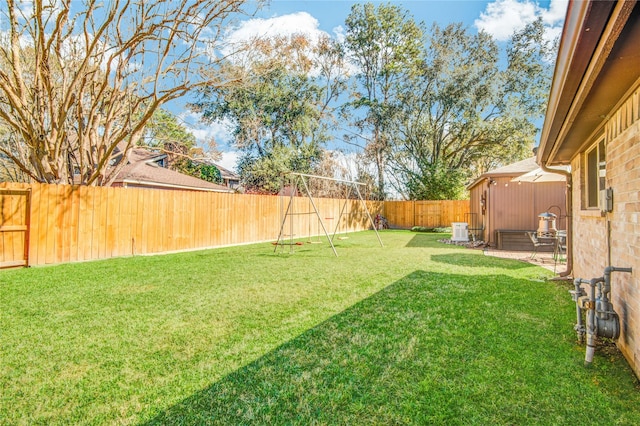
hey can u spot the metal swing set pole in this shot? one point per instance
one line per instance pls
(369, 216)
(284, 221)
(315, 209)
(342, 209)
(344, 181)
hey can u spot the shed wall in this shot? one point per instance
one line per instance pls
(515, 206)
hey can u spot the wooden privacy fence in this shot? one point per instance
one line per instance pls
(430, 214)
(47, 224)
(78, 223)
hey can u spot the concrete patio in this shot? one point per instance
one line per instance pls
(544, 259)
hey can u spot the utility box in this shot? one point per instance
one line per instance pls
(606, 200)
(460, 231)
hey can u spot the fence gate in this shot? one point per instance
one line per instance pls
(15, 212)
(427, 214)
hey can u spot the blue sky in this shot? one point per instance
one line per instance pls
(332, 13)
(497, 17)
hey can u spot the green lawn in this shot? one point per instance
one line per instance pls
(416, 332)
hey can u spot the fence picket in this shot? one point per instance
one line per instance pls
(82, 223)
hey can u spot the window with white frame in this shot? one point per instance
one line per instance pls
(595, 175)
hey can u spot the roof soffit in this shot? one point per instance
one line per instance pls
(591, 78)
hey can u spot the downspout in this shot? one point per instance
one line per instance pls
(489, 210)
(569, 211)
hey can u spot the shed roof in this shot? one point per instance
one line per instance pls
(514, 169)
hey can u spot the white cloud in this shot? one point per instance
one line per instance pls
(216, 130)
(50, 9)
(220, 131)
(554, 18)
(340, 34)
(229, 160)
(556, 13)
(288, 26)
(285, 25)
(502, 18)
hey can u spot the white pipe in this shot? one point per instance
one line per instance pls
(588, 358)
(591, 321)
(576, 296)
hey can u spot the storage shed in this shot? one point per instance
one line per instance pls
(503, 210)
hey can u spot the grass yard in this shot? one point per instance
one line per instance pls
(414, 333)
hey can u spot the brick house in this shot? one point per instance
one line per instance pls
(593, 125)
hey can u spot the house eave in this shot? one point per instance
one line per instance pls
(598, 61)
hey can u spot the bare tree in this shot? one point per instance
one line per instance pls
(79, 80)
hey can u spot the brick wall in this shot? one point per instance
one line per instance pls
(614, 238)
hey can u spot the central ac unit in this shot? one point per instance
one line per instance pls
(460, 231)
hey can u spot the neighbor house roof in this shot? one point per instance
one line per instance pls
(143, 170)
(514, 169)
(226, 173)
(598, 62)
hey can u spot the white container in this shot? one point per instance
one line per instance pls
(460, 231)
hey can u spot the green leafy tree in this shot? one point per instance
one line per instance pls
(164, 127)
(264, 174)
(463, 113)
(385, 45)
(435, 182)
(280, 106)
(203, 171)
(165, 133)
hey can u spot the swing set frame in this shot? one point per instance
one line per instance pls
(294, 180)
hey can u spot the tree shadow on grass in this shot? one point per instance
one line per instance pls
(425, 350)
(478, 260)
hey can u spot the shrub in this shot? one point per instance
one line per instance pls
(425, 229)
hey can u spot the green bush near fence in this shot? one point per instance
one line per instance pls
(432, 230)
